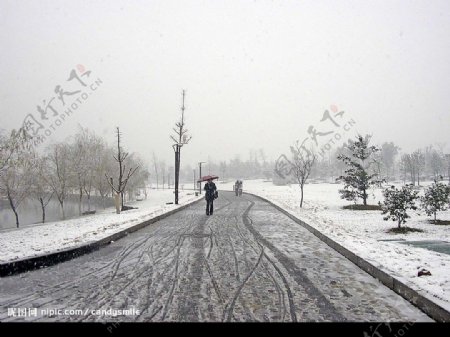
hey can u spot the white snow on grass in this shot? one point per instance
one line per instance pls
(34, 240)
(360, 232)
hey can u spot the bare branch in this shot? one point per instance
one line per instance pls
(130, 173)
(108, 179)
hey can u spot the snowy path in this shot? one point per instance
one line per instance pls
(247, 262)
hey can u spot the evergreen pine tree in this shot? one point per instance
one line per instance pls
(357, 178)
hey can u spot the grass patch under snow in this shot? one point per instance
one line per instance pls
(404, 230)
(440, 222)
(363, 207)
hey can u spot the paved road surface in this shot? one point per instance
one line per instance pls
(247, 262)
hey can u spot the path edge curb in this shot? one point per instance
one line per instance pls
(429, 307)
(50, 259)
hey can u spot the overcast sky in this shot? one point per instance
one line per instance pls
(257, 74)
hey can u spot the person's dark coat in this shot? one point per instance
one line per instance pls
(210, 189)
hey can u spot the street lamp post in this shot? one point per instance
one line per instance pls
(200, 174)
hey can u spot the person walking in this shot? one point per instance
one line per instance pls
(238, 187)
(210, 194)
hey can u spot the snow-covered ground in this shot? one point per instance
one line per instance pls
(55, 236)
(358, 231)
(361, 232)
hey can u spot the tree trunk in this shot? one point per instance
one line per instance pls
(117, 202)
(61, 203)
(16, 214)
(435, 218)
(41, 200)
(364, 197)
(399, 223)
(11, 202)
(17, 217)
(89, 202)
(301, 198)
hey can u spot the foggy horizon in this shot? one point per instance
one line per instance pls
(256, 75)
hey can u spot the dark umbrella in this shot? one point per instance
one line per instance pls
(206, 178)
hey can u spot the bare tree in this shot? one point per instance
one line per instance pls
(435, 162)
(379, 166)
(123, 174)
(302, 163)
(41, 190)
(388, 153)
(180, 138)
(16, 177)
(18, 140)
(418, 161)
(59, 161)
(80, 156)
(104, 164)
(408, 166)
(94, 147)
(85, 149)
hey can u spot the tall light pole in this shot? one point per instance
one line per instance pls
(181, 138)
(200, 174)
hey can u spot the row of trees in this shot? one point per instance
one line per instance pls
(429, 162)
(359, 177)
(256, 165)
(361, 172)
(83, 165)
(389, 163)
(357, 159)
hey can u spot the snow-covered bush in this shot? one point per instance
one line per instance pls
(435, 199)
(397, 202)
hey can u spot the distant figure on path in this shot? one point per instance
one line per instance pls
(238, 187)
(210, 195)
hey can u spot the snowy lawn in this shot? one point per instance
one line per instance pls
(361, 232)
(55, 236)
